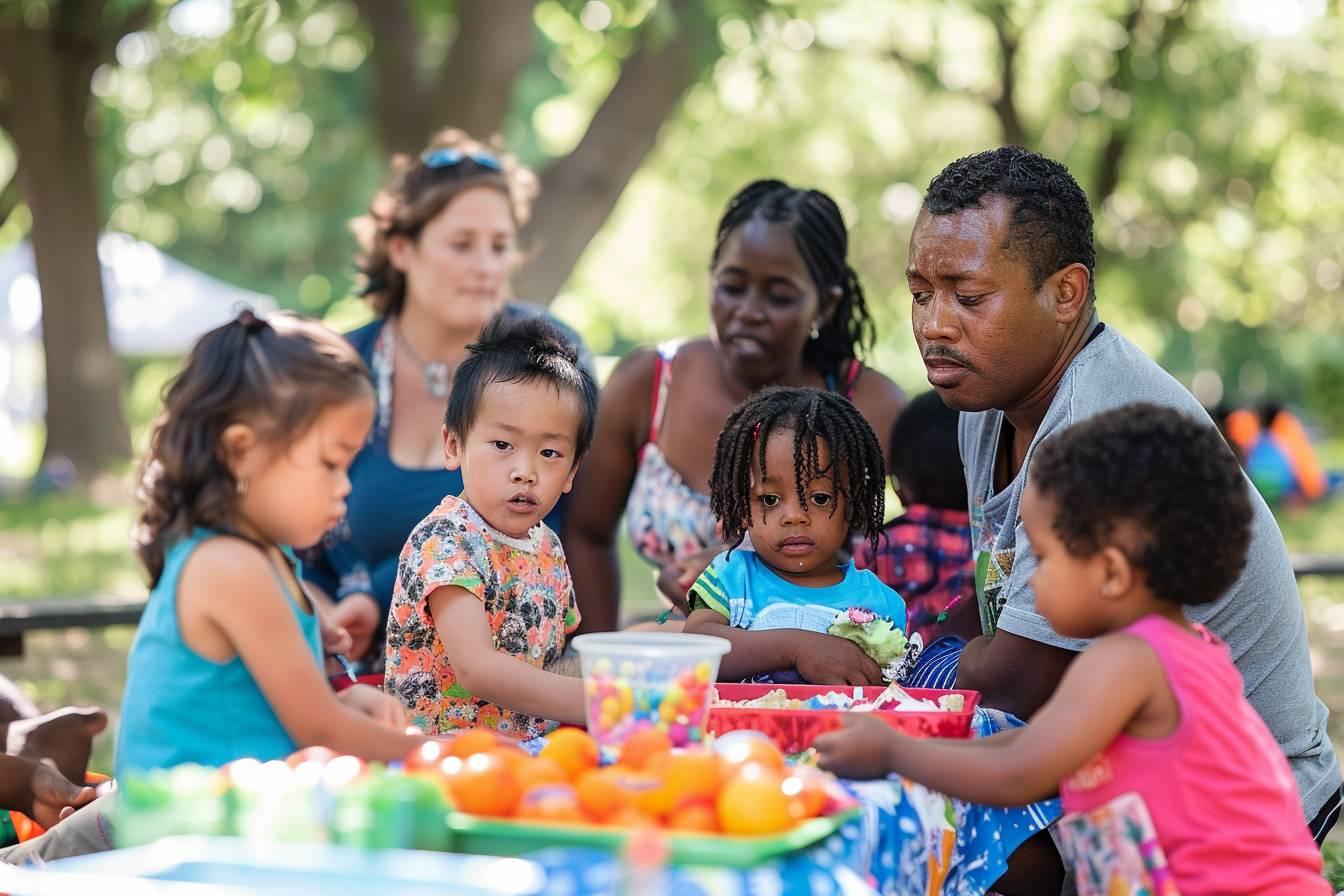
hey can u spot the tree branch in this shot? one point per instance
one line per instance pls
(397, 98)
(1005, 104)
(1112, 154)
(494, 43)
(580, 190)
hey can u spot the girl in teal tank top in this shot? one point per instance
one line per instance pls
(249, 456)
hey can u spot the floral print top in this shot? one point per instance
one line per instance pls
(528, 597)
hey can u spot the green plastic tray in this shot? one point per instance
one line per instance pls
(472, 834)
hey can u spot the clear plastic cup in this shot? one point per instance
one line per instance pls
(637, 680)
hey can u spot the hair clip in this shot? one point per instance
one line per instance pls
(448, 157)
(756, 431)
(251, 323)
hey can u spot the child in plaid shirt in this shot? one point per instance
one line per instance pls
(925, 553)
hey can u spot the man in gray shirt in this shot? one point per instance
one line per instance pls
(1001, 270)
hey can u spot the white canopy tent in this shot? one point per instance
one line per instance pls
(156, 305)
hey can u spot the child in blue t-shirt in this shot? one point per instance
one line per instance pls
(799, 471)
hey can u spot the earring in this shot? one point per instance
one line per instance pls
(240, 486)
(816, 333)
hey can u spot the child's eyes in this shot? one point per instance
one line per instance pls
(769, 500)
(821, 499)
(549, 453)
(501, 445)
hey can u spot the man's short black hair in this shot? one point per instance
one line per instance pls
(518, 349)
(924, 456)
(1162, 485)
(1051, 224)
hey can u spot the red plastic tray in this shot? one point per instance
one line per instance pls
(793, 730)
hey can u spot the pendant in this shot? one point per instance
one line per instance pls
(438, 379)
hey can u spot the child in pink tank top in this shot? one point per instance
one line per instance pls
(1171, 782)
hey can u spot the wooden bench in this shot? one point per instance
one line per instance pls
(98, 611)
(103, 610)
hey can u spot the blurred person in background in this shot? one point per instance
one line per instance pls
(436, 252)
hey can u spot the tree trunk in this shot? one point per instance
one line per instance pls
(579, 191)
(48, 102)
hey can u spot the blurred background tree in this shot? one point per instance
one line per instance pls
(240, 138)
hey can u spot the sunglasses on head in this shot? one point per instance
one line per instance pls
(436, 159)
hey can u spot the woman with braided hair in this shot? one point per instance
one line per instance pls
(787, 310)
(800, 471)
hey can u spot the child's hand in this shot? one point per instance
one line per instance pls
(359, 615)
(827, 659)
(861, 750)
(376, 705)
(54, 797)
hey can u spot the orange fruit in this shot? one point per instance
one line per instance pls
(687, 776)
(806, 790)
(697, 816)
(573, 749)
(758, 750)
(428, 755)
(641, 791)
(532, 773)
(642, 746)
(484, 785)
(752, 802)
(551, 802)
(469, 743)
(512, 755)
(600, 792)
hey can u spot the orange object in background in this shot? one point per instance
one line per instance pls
(1292, 439)
(485, 785)
(469, 743)
(643, 746)
(573, 749)
(753, 802)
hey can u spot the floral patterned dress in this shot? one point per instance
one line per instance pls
(528, 597)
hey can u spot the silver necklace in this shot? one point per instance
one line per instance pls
(438, 374)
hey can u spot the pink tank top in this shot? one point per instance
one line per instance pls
(1222, 799)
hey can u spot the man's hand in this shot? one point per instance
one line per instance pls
(827, 659)
(360, 616)
(861, 750)
(376, 705)
(54, 797)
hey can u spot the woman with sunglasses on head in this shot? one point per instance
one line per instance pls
(787, 310)
(436, 252)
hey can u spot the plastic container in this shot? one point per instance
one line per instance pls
(634, 680)
(793, 730)
(475, 835)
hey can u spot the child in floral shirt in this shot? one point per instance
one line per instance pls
(483, 599)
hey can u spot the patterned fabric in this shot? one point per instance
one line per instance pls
(926, 555)
(666, 518)
(528, 597)
(1113, 850)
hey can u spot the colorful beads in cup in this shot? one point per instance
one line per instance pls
(639, 680)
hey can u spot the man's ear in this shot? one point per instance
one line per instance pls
(238, 449)
(452, 450)
(1071, 292)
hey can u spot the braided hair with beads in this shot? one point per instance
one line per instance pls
(819, 233)
(813, 416)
